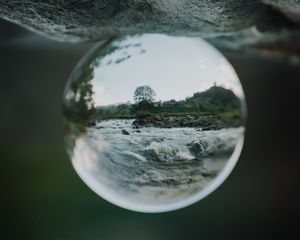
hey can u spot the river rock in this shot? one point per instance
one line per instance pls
(125, 132)
(202, 122)
(156, 117)
(91, 123)
(266, 26)
(197, 147)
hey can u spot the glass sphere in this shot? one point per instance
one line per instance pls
(152, 122)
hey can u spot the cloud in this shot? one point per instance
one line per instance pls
(101, 96)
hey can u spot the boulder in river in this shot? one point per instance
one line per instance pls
(125, 132)
(197, 147)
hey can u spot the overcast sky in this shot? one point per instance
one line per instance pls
(175, 67)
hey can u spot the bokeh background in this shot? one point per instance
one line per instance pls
(43, 198)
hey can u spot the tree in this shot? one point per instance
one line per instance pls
(144, 94)
(79, 106)
(216, 98)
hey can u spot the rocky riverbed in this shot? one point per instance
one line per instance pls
(206, 122)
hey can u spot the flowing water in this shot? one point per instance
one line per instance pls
(151, 165)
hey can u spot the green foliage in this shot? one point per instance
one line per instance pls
(216, 100)
(79, 107)
(122, 111)
(144, 94)
(142, 106)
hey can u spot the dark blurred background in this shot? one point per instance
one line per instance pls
(43, 198)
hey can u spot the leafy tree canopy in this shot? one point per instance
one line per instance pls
(144, 94)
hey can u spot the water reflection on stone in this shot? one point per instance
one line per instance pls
(153, 123)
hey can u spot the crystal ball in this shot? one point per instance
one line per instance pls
(153, 123)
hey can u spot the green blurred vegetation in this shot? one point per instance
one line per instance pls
(78, 105)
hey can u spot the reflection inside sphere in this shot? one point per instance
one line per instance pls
(152, 122)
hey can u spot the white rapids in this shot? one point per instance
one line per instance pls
(151, 166)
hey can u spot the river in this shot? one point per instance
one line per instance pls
(151, 165)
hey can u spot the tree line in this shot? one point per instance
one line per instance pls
(215, 100)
